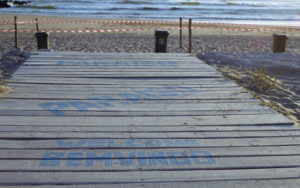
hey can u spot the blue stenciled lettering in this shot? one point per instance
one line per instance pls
(100, 63)
(52, 159)
(122, 63)
(74, 159)
(111, 143)
(183, 160)
(206, 159)
(134, 143)
(153, 143)
(91, 157)
(147, 93)
(171, 63)
(142, 158)
(174, 158)
(103, 100)
(73, 63)
(55, 107)
(83, 106)
(173, 142)
(132, 97)
(125, 161)
(99, 102)
(158, 157)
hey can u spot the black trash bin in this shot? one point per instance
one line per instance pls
(42, 40)
(279, 41)
(161, 38)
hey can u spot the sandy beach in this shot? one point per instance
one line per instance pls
(206, 40)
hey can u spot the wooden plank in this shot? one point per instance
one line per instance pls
(140, 129)
(132, 96)
(88, 64)
(69, 178)
(104, 113)
(147, 101)
(107, 58)
(157, 121)
(125, 86)
(222, 152)
(127, 105)
(135, 143)
(18, 88)
(114, 65)
(76, 70)
(269, 183)
(197, 160)
(50, 53)
(150, 135)
(108, 81)
(112, 55)
(126, 75)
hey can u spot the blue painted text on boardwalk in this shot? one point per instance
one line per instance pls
(125, 143)
(136, 158)
(173, 158)
(121, 98)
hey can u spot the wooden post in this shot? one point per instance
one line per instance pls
(36, 24)
(16, 33)
(190, 35)
(180, 32)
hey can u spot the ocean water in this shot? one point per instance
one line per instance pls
(237, 11)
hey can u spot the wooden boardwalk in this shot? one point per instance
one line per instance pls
(139, 120)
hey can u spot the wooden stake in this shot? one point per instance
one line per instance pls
(16, 33)
(36, 24)
(180, 32)
(190, 35)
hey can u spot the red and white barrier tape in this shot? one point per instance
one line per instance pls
(150, 29)
(249, 29)
(89, 31)
(88, 22)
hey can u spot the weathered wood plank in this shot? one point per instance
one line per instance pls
(104, 113)
(29, 88)
(108, 81)
(135, 143)
(156, 121)
(127, 75)
(105, 71)
(267, 183)
(97, 104)
(126, 86)
(173, 161)
(221, 152)
(69, 178)
(110, 58)
(150, 135)
(132, 96)
(139, 129)
(73, 53)
(94, 64)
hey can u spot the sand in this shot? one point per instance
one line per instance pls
(207, 43)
